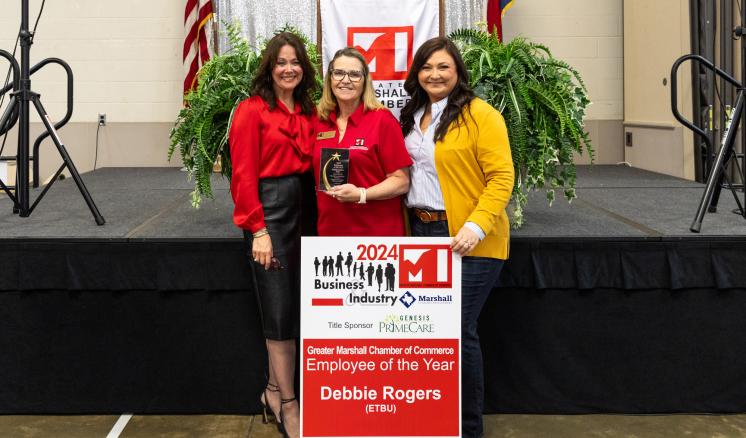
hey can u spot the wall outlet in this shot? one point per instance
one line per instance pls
(102, 119)
(628, 139)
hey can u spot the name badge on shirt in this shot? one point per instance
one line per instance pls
(325, 135)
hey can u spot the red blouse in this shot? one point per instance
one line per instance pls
(264, 143)
(377, 149)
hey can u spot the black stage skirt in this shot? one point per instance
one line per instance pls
(278, 290)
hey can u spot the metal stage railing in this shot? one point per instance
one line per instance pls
(68, 114)
(718, 171)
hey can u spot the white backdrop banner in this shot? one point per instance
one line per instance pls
(386, 32)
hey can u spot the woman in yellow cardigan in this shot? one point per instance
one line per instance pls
(461, 182)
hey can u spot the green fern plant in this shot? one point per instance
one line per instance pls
(543, 101)
(201, 128)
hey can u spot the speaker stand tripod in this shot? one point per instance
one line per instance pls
(19, 106)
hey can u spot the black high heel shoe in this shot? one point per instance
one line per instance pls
(266, 408)
(284, 401)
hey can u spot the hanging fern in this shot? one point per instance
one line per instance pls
(201, 129)
(543, 101)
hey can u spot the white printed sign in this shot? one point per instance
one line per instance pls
(380, 337)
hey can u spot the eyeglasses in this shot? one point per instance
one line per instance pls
(353, 75)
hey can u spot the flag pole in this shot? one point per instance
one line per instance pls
(442, 18)
(215, 28)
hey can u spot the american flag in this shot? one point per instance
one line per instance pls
(196, 50)
(495, 11)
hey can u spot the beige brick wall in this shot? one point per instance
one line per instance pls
(125, 55)
(588, 34)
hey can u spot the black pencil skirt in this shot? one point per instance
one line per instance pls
(278, 290)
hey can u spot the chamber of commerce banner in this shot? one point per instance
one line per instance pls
(386, 32)
(380, 337)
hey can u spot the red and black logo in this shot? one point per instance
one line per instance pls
(425, 266)
(387, 50)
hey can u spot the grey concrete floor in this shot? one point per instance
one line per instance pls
(496, 426)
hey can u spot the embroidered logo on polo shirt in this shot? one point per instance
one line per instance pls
(359, 144)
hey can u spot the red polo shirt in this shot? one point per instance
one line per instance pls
(264, 143)
(377, 148)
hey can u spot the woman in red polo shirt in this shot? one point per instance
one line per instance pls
(271, 140)
(350, 118)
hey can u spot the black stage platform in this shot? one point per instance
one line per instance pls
(606, 305)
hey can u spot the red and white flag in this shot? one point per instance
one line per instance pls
(196, 49)
(495, 11)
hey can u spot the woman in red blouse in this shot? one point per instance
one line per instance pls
(271, 140)
(351, 118)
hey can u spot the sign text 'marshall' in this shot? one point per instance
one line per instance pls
(436, 299)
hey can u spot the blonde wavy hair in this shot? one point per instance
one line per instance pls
(328, 102)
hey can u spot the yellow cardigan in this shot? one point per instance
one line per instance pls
(475, 170)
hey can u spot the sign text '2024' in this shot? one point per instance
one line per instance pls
(377, 252)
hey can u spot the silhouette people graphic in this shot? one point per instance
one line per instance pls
(370, 274)
(390, 274)
(348, 262)
(338, 265)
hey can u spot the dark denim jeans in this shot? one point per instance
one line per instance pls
(478, 277)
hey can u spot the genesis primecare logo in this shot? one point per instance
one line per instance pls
(406, 324)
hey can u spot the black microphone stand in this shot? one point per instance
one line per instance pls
(19, 106)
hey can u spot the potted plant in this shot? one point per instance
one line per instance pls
(201, 129)
(543, 101)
